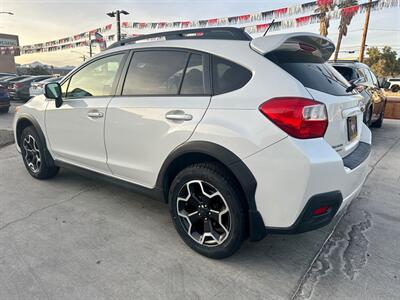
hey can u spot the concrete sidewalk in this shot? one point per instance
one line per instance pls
(75, 238)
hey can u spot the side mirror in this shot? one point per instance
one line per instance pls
(53, 91)
(385, 85)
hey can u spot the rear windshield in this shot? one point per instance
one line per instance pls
(311, 72)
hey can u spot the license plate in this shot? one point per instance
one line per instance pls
(352, 130)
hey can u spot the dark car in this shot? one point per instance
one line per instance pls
(3, 75)
(20, 89)
(368, 86)
(9, 81)
(4, 100)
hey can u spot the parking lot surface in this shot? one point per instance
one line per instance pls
(74, 237)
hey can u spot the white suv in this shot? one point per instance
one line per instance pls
(241, 137)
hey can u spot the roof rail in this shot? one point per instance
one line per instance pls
(345, 61)
(217, 33)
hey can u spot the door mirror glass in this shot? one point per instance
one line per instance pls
(53, 91)
(385, 85)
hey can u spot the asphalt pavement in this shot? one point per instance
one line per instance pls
(75, 237)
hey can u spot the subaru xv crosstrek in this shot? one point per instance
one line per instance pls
(241, 137)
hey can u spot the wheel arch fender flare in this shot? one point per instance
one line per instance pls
(233, 163)
(25, 121)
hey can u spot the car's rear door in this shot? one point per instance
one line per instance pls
(76, 129)
(163, 97)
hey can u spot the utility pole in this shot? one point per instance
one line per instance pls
(90, 45)
(118, 25)
(365, 32)
(117, 14)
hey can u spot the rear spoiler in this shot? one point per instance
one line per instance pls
(313, 43)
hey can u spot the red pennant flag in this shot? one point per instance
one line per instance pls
(185, 24)
(212, 21)
(350, 11)
(303, 20)
(262, 27)
(281, 11)
(324, 2)
(244, 18)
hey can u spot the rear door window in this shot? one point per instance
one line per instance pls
(311, 72)
(155, 72)
(196, 80)
(228, 76)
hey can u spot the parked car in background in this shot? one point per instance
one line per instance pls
(394, 84)
(37, 87)
(8, 82)
(199, 121)
(3, 75)
(20, 89)
(367, 84)
(4, 100)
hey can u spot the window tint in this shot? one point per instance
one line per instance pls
(361, 74)
(95, 79)
(311, 72)
(348, 73)
(194, 80)
(155, 73)
(228, 76)
(374, 79)
(368, 75)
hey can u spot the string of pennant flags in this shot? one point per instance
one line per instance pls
(263, 21)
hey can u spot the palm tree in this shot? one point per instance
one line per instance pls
(349, 9)
(324, 6)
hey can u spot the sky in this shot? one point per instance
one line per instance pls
(37, 21)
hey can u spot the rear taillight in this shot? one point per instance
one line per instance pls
(18, 85)
(299, 117)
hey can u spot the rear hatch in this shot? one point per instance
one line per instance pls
(304, 56)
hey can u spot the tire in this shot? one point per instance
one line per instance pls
(4, 110)
(379, 122)
(395, 88)
(226, 234)
(368, 117)
(33, 155)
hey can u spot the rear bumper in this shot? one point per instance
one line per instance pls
(293, 175)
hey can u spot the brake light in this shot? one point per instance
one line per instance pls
(18, 85)
(299, 117)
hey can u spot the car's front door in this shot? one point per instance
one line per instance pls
(76, 129)
(377, 96)
(164, 97)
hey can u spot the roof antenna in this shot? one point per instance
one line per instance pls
(270, 25)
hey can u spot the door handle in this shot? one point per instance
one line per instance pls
(95, 114)
(178, 115)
